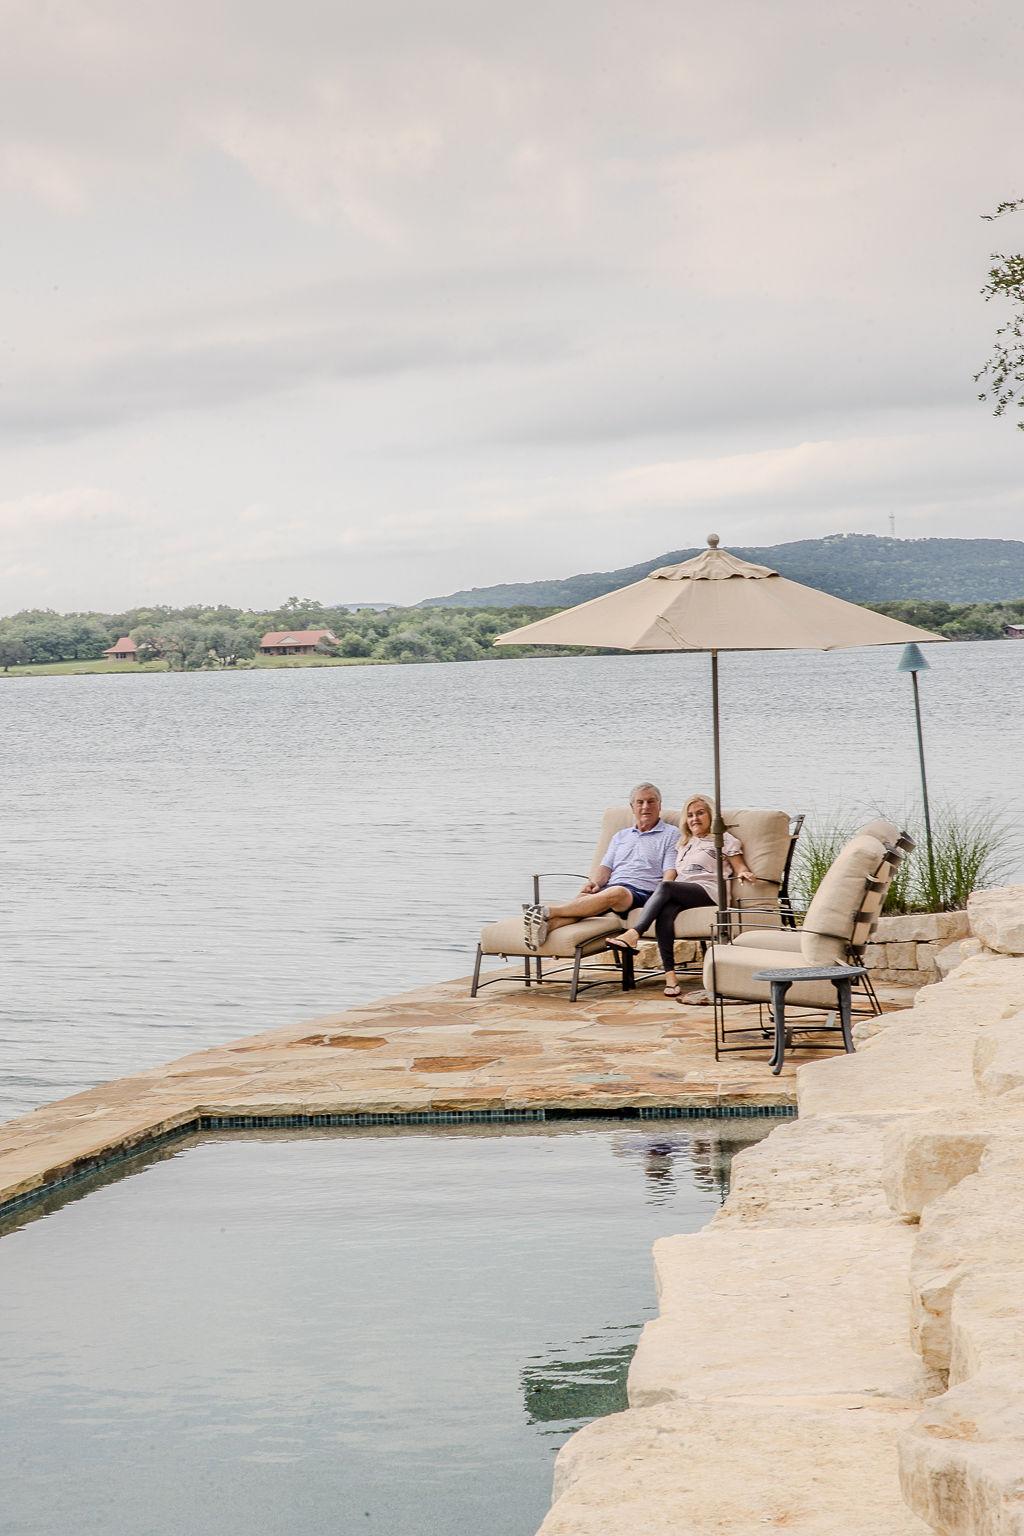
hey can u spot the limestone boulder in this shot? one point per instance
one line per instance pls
(999, 1060)
(962, 1461)
(734, 1468)
(997, 918)
(987, 1324)
(819, 1170)
(921, 1166)
(797, 1312)
(948, 956)
(926, 1155)
(979, 1224)
(926, 1058)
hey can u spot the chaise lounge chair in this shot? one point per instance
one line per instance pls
(768, 839)
(837, 925)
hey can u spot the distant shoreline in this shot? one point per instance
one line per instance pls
(279, 663)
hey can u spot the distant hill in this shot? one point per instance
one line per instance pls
(860, 566)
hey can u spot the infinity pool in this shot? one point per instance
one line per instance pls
(347, 1331)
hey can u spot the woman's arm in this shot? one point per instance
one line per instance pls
(741, 869)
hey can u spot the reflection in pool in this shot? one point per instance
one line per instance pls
(357, 1330)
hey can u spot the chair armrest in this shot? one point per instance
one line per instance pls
(772, 912)
(554, 874)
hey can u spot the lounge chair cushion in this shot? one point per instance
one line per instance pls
(506, 937)
(730, 968)
(786, 940)
(832, 915)
(694, 923)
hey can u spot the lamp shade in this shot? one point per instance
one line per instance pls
(912, 659)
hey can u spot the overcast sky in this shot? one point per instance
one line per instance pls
(375, 301)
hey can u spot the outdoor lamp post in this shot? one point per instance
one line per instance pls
(913, 661)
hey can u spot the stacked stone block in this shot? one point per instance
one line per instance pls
(917, 947)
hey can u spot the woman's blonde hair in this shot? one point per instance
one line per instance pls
(694, 800)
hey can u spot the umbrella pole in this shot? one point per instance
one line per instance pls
(718, 827)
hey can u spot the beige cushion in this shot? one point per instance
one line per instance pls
(886, 831)
(730, 967)
(694, 923)
(508, 938)
(763, 834)
(786, 940)
(831, 917)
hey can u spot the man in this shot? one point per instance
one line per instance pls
(636, 861)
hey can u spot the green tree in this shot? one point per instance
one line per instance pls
(1003, 374)
(13, 650)
(231, 643)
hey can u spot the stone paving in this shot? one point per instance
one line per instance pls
(435, 1049)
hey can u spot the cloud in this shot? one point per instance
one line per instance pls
(436, 294)
(78, 508)
(115, 387)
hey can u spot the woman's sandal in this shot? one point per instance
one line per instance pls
(619, 943)
(673, 991)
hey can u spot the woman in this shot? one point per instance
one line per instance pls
(694, 885)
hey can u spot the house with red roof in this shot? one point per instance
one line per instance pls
(295, 642)
(124, 650)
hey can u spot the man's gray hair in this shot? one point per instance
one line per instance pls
(645, 785)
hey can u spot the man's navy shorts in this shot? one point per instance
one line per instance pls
(640, 898)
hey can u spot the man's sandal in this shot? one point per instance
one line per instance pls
(535, 925)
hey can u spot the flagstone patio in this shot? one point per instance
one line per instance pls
(434, 1050)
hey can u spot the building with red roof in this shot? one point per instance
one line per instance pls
(124, 650)
(295, 642)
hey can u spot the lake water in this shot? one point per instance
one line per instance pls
(193, 857)
(345, 1332)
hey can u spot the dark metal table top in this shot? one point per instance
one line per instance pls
(812, 973)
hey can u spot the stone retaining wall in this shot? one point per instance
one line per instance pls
(918, 947)
(842, 1349)
(911, 950)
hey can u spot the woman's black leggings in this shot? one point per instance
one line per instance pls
(672, 896)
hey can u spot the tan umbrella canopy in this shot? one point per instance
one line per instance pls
(716, 602)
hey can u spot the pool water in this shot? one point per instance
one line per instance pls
(362, 1330)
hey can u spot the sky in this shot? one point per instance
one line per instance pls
(373, 302)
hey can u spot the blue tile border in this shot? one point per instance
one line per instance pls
(90, 1167)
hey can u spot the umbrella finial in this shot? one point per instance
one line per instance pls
(713, 540)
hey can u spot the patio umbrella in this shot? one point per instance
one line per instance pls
(716, 602)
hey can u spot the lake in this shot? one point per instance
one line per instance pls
(191, 857)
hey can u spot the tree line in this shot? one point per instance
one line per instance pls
(198, 636)
(194, 637)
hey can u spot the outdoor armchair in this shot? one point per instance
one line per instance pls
(837, 925)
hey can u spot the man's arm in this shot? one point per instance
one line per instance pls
(588, 888)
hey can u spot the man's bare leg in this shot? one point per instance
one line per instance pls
(614, 898)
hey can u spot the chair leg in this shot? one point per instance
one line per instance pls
(577, 962)
(526, 969)
(867, 984)
(476, 972)
(628, 971)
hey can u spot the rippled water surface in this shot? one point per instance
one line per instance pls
(193, 857)
(345, 1332)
